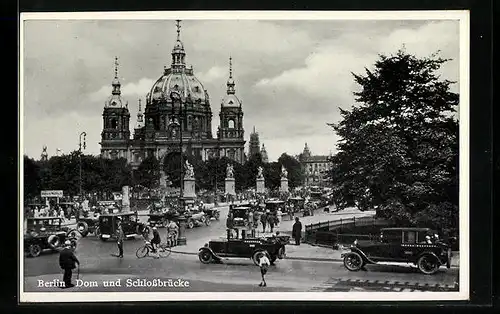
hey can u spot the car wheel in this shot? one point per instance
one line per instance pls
(353, 261)
(190, 223)
(73, 244)
(207, 222)
(281, 253)
(205, 256)
(82, 227)
(203, 219)
(217, 215)
(74, 234)
(97, 232)
(54, 241)
(257, 256)
(428, 264)
(35, 250)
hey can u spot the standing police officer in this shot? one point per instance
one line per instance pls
(67, 260)
(120, 236)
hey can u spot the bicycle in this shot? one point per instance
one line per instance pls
(163, 249)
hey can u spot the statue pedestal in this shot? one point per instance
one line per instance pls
(284, 185)
(261, 187)
(230, 186)
(125, 198)
(189, 188)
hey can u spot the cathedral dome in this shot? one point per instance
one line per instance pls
(182, 82)
(231, 101)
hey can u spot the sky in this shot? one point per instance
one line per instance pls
(291, 75)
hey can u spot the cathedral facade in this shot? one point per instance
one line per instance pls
(177, 117)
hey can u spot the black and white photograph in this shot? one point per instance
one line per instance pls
(200, 155)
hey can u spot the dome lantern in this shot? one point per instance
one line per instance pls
(116, 83)
(178, 53)
(230, 81)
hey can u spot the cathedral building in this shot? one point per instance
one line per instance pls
(177, 117)
(315, 167)
(255, 148)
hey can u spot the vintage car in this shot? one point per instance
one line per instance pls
(130, 224)
(195, 218)
(243, 247)
(87, 222)
(47, 233)
(272, 206)
(159, 215)
(211, 213)
(240, 214)
(419, 246)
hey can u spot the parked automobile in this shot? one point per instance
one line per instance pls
(240, 214)
(159, 215)
(212, 213)
(131, 226)
(419, 246)
(243, 247)
(196, 218)
(47, 233)
(87, 223)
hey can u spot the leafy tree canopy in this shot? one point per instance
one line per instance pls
(399, 146)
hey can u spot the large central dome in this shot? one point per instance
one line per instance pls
(183, 81)
(178, 78)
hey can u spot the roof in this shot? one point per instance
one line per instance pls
(119, 214)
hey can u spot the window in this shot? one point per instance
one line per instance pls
(230, 124)
(391, 236)
(410, 237)
(114, 123)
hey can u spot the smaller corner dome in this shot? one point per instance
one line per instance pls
(231, 101)
(114, 101)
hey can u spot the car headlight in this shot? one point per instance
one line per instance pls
(356, 242)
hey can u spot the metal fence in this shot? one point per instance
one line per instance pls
(327, 232)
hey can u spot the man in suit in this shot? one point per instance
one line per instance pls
(67, 261)
(297, 231)
(119, 238)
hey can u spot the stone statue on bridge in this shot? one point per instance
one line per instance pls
(260, 174)
(189, 171)
(284, 173)
(229, 171)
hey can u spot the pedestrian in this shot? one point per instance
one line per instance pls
(120, 236)
(271, 221)
(279, 213)
(264, 266)
(297, 231)
(173, 232)
(37, 212)
(263, 220)
(67, 261)
(230, 224)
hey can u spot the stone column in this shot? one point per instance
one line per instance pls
(181, 239)
(125, 198)
(284, 185)
(261, 187)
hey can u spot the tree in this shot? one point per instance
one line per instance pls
(148, 173)
(31, 178)
(399, 147)
(294, 169)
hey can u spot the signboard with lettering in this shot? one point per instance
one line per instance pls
(104, 203)
(52, 193)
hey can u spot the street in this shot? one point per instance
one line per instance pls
(98, 267)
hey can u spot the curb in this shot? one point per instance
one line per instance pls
(298, 258)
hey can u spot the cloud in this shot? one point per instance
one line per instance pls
(291, 75)
(213, 74)
(139, 89)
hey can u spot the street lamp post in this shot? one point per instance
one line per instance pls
(217, 156)
(80, 158)
(181, 239)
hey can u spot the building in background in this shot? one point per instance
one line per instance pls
(177, 106)
(315, 167)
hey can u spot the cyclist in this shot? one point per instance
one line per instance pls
(156, 240)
